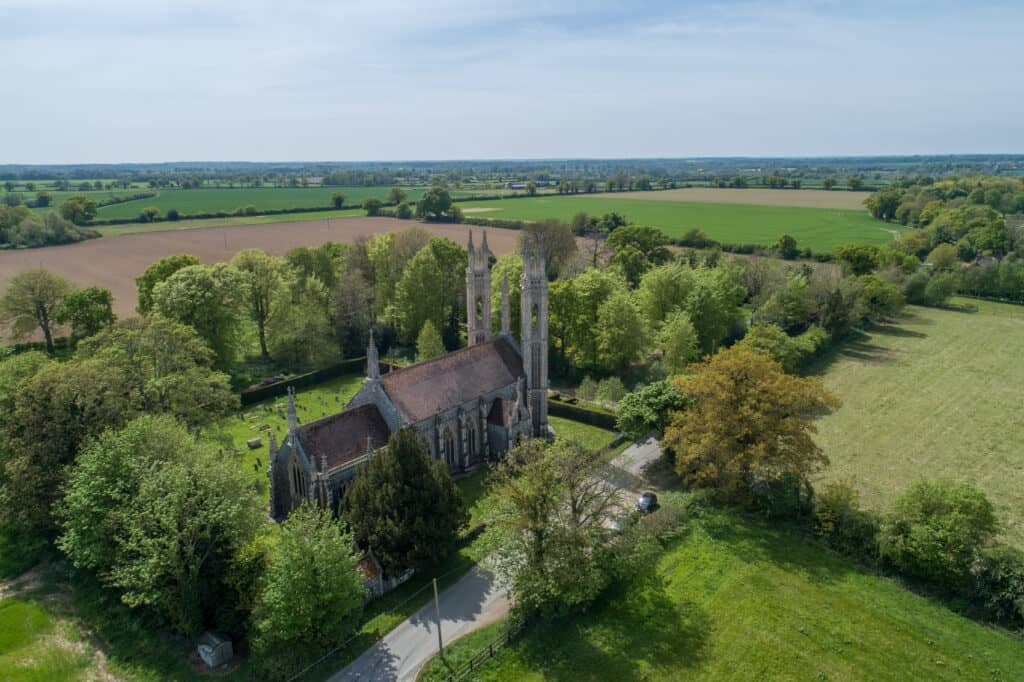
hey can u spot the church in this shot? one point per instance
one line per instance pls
(466, 407)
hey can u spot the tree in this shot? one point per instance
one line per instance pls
(312, 593)
(79, 210)
(749, 422)
(396, 195)
(353, 312)
(428, 343)
(574, 306)
(434, 204)
(43, 199)
(31, 302)
(678, 342)
(403, 504)
(858, 259)
(545, 534)
(622, 337)
(156, 273)
(556, 239)
(855, 183)
(664, 290)
(646, 410)
(788, 351)
(373, 206)
(936, 529)
(940, 287)
(403, 211)
(714, 304)
(787, 247)
(337, 199)
(265, 279)
(531, 189)
(300, 333)
(510, 267)
(943, 257)
(189, 517)
(883, 203)
(830, 182)
(649, 241)
(149, 214)
(210, 299)
(431, 288)
(88, 310)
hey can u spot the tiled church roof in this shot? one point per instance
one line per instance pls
(342, 437)
(425, 389)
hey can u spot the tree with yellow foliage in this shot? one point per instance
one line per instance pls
(749, 421)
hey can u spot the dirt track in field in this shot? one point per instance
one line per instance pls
(115, 262)
(800, 198)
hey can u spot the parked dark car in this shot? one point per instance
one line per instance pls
(647, 503)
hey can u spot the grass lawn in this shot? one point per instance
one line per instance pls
(259, 419)
(936, 395)
(736, 600)
(35, 644)
(821, 229)
(591, 437)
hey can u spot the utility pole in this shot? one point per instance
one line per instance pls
(437, 606)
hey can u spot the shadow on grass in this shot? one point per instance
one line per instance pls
(755, 541)
(626, 635)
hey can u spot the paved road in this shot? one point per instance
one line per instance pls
(467, 605)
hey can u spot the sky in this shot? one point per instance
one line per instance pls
(109, 81)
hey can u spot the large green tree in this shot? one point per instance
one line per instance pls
(210, 299)
(31, 301)
(311, 595)
(156, 273)
(431, 288)
(546, 537)
(79, 209)
(88, 311)
(403, 504)
(266, 277)
(557, 241)
(646, 411)
(300, 333)
(622, 336)
(435, 204)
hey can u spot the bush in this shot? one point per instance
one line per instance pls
(936, 530)
(587, 389)
(843, 525)
(787, 496)
(172, 214)
(997, 582)
(611, 390)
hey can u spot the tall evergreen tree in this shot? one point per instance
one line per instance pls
(404, 506)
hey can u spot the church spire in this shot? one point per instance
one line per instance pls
(293, 420)
(506, 309)
(484, 251)
(372, 361)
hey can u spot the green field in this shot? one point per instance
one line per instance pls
(259, 419)
(590, 437)
(193, 201)
(737, 600)
(936, 395)
(819, 228)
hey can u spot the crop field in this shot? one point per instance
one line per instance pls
(737, 600)
(804, 198)
(936, 395)
(192, 201)
(114, 263)
(818, 228)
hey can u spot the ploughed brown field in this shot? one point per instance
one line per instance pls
(115, 262)
(801, 198)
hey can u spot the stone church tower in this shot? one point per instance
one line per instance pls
(478, 293)
(534, 319)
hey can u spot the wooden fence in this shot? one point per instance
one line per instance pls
(488, 652)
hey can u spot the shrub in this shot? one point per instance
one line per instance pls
(997, 578)
(587, 389)
(611, 390)
(172, 214)
(936, 530)
(786, 496)
(843, 525)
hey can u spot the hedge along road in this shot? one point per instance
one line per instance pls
(115, 262)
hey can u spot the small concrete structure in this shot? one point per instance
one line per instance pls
(214, 649)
